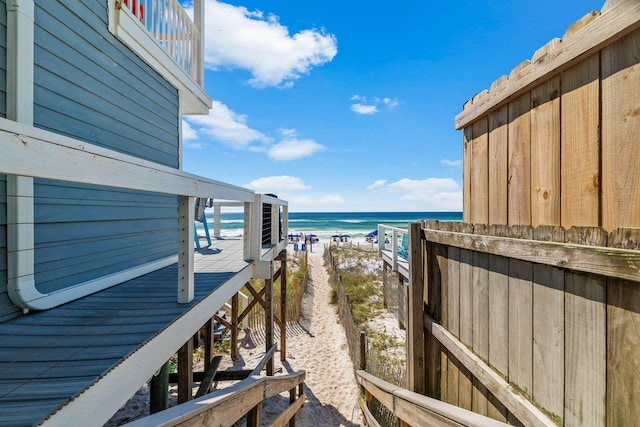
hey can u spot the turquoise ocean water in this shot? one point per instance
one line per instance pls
(326, 224)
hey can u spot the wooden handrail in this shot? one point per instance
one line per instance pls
(268, 356)
(230, 404)
(417, 410)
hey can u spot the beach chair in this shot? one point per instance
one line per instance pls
(201, 217)
(403, 248)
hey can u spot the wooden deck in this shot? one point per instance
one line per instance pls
(78, 353)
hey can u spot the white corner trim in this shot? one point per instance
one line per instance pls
(24, 293)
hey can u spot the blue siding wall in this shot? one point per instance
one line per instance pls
(91, 87)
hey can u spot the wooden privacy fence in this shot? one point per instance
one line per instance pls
(535, 325)
(555, 142)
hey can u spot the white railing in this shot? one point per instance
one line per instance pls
(170, 25)
(395, 240)
(31, 152)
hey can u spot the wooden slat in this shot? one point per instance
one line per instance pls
(209, 375)
(520, 325)
(519, 169)
(580, 136)
(466, 174)
(614, 262)
(368, 415)
(585, 338)
(499, 313)
(498, 143)
(602, 31)
(291, 410)
(623, 341)
(466, 297)
(453, 254)
(620, 128)
(465, 391)
(480, 324)
(480, 172)
(480, 402)
(548, 339)
(453, 374)
(545, 153)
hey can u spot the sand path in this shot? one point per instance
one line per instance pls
(322, 351)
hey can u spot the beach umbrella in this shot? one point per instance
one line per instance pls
(372, 233)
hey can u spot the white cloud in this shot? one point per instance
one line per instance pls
(236, 38)
(188, 133)
(432, 193)
(277, 184)
(364, 109)
(362, 105)
(451, 162)
(292, 148)
(377, 184)
(227, 126)
(390, 102)
(190, 137)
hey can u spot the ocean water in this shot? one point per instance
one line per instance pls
(327, 224)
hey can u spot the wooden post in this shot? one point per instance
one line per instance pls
(283, 305)
(268, 314)
(236, 326)
(415, 327)
(292, 399)
(186, 214)
(208, 343)
(363, 350)
(185, 371)
(159, 390)
(254, 416)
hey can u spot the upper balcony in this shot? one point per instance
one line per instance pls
(164, 36)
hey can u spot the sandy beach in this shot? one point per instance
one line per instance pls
(317, 345)
(320, 348)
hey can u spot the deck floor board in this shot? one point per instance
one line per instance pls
(51, 356)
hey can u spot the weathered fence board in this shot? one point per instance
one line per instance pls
(519, 167)
(621, 123)
(585, 338)
(480, 172)
(545, 153)
(466, 184)
(520, 325)
(548, 338)
(480, 318)
(466, 297)
(580, 158)
(623, 340)
(498, 139)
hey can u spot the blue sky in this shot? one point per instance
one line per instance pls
(349, 106)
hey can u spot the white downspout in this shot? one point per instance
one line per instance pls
(20, 215)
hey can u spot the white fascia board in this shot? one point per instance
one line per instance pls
(126, 27)
(103, 398)
(29, 151)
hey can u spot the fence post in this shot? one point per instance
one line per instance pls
(415, 327)
(363, 350)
